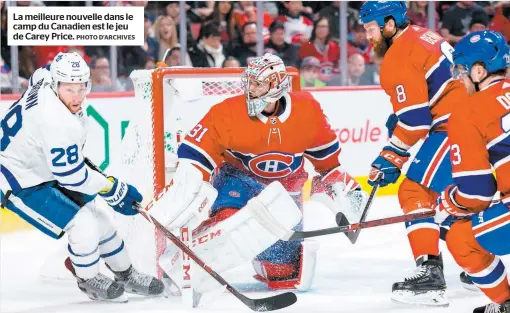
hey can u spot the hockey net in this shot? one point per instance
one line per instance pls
(171, 101)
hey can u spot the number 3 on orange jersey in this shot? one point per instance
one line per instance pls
(456, 158)
(200, 130)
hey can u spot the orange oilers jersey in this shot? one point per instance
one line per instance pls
(417, 77)
(266, 147)
(479, 135)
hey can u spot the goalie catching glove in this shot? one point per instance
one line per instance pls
(340, 192)
(121, 197)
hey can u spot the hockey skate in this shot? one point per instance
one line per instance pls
(467, 283)
(425, 286)
(139, 283)
(100, 287)
(494, 308)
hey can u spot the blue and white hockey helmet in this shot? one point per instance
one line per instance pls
(69, 68)
(379, 10)
(486, 46)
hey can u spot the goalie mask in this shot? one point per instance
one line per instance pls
(265, 81)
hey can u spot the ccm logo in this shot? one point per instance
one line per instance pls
(394, 159)
(206, 237)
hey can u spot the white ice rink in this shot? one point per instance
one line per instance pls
(349, 278)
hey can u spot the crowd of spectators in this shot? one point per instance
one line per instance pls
(305, 34)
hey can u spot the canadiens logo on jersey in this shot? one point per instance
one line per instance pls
(273, 165)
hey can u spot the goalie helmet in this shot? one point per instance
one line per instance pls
(265, 72)
(69, 68)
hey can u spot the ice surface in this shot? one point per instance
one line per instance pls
(349, 278)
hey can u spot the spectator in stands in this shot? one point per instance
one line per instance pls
(298, 28)
(323, 48)
(166, 34)
(231, 62)
(418, 14)
(150, 63)
(457, 19)
(173, 57)
(277, 45)
(358, 42)
(310, 69)
(199, 11)
(222, 15)
(479, 22)
(356, 71)
(208, 52)
(150, 45)
(332, 13)
(101, 77)
(373, 70)
(173, 10)
(247, 12)
(501, 20)
(248, 47)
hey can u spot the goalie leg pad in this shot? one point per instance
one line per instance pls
(238, 239)
(186, 200)
(274, 274)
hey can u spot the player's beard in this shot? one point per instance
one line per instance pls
(380, 48)
(383, 45)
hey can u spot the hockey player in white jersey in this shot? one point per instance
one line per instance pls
(44, 180)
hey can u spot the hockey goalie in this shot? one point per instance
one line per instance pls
(243, 165)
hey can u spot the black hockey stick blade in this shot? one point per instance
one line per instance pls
(341, 219)
(270, 303)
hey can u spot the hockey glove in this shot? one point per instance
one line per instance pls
(391, 124)
(121, 197)
(389, 163)
(447, 210)
(338, 191)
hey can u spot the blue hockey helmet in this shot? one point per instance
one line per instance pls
(486, 46)
(379, 10)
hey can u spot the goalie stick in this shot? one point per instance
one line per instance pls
(341, 219)
(357, 226)
(272, 303)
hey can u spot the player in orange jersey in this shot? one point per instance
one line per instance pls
(479, 135)
(253, 148)
(415, 73)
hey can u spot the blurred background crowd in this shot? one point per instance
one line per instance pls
(323, 39)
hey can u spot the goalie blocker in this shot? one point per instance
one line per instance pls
(234, 236)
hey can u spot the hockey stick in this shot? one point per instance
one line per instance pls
(341, 219)
(357, 226)
(265, 304)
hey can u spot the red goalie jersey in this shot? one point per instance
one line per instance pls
(267, 147)
(479, 133)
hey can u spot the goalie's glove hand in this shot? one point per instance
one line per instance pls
(344, 193)
(122, 197)
(389, 164)
(336, 183)
(447, 211)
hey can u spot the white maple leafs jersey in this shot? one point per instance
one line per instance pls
(41, 141)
